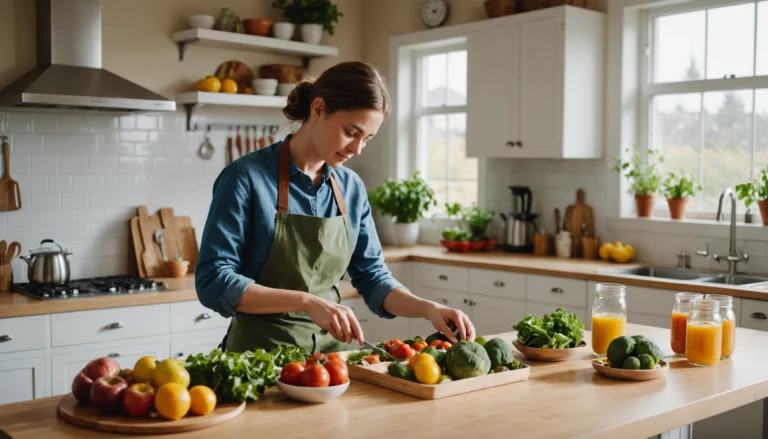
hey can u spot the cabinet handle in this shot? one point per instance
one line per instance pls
(510, 144)
(466, 301)
(442, 277)
(4, 338)
(443, 301)
(499, 284)
(180, 354)
(204, 316)
(116, 325)
(472, 303)
(519, 143)
(556, 290)
(113, 354)
(759, 316)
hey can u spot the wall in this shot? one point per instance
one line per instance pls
(83, 175)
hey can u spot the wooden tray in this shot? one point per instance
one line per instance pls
(186, 244)
(602, 367)
(377, 375)
(90, 418)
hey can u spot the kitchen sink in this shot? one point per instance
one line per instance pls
(737, 279)
(658, 272)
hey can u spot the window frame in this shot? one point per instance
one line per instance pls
(648, 90)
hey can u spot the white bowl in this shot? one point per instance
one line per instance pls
(202, 21)
(285, 89)
(265, 86)
(314, 395)
(283, 30)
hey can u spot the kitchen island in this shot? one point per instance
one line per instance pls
(559, 400)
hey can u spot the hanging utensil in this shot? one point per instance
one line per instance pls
(247, 139)
(3, 248)
(272, 131)
(229, 145)
(14, 249)
(557, 220)
(10, 196)
(205, 151)
(239, 143)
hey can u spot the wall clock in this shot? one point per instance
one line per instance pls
(434, 12)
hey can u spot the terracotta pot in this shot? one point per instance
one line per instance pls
(257, 26)
(644, 205)
(176, 268)
(763, 205)
(677, 207)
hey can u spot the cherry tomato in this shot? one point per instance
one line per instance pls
(317, 358)
(338, 372)
(445, 345)
(315, 375)
(335, 357)
(435, 343)
(291, 373)
(419, 346)
(373, 359)
(392, 343)
(402, 352)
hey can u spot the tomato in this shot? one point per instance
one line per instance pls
(402, 352)
(317, 358)
(315, 375)
(373, 359)
(291, 373)
(335, 357)
(445, 345)
(392, 343)
(419, 346)
(338, 372)
(435, 343)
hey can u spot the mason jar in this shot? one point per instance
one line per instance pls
(729, 322)
(704, 333)
(679, 317)
(609, 316)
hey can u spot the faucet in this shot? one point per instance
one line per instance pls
(734, 255)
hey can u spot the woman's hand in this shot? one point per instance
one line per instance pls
(441, 316)
(338, 320)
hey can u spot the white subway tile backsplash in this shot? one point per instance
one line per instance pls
(25, 218)
(45, 123)
(117, 182)
(114, 247)
(89, 216)
(109, 229)
(88, 183)
(62, 217)
(166, 165)
(111, 146)
(102, 164)
(149, 149)
(45, 164)
(756, 264)
(105, 199)
(44, 201)
(36, 235)
(73, 164)
(128, 122)
(77, 200)
(755, 248)
(71, 123)
(18, 122)
(57, 143)
(146, 122)
(20, 164)
(31, 184)
(131, 165)
(135, 198)
(98, 123)
(85, 143)
(26, 143)
(133, 136)
(18, 234)
(124, 213)
(60, 183)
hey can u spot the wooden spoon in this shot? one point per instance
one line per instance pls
(3, 249)
(10, 196)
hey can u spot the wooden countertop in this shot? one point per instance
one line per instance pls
(566, 399)
(183, 289)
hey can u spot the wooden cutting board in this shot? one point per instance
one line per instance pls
(377, 375)
(90, 418)
(183, 240)
(10, 196)
(576, 215)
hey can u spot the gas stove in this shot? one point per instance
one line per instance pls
(91, 287)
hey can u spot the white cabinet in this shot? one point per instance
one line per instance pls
(754, 314)
(200, 344)
(535, 87)
(100, 325)
(556, 291)
(24, 333)
(491, 315)
(23, 377)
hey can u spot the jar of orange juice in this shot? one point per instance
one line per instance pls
(729, 322)
(680, 311)
(609, 316)
(704, 333)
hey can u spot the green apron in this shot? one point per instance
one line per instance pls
(308, 254)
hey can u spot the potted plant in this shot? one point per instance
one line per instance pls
(313, 16)
(677, 189)
(177, 267)
(756, 190)
(477, 220)
(643, 172)
(407, 201)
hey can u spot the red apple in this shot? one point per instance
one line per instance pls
(107, 393)
(81, 388)
(101, 367)
(139, 400)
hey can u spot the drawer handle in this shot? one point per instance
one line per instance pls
(204, 316)
(499, 284)
(472, 303)
(116, 325)
(759, 316)
(442, 277)
(466, 301)
(113, 354)
(4, 338)
(444, 301)
(180, 354)
(557, 290)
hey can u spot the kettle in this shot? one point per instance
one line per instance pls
(520, 223)
(48, 265)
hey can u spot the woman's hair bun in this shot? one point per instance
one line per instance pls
(300, 101)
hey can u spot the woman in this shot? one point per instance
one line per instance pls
(286, 222)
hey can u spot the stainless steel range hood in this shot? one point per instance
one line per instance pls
(69, 73)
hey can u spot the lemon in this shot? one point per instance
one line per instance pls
(211, 84)
(418, 358)
(427, 372)
(480, 340)
(170, 371)
(228, 86)
(144, 369)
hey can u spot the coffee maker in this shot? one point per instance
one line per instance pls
(520, 223)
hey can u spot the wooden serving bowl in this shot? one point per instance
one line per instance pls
(176, 268)
(257, 26)
(603, 367)
(540, 354)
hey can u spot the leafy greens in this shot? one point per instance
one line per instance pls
(559, 330)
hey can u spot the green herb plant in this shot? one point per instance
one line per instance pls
(321, 12)
(407, 200)
(680, 185)
(472, 222)
(642, 170)
(558, 330)
(755, 189)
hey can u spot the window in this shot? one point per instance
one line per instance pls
(705, 92)
(440, 121)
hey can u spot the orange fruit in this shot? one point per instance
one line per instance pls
(199, 85)
(211, 84)
(172, 401)
(228, 86)
(203, 400)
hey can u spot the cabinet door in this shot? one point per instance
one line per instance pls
(183, 347)
(754, 314)
(65, 366)
(493, 105)
(22, 379)
(494, 316)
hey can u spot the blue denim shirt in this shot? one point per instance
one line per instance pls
(241, 224)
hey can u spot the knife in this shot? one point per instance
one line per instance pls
(382, 353)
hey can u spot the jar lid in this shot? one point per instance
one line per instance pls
(610, 289)
(685, 297)
(707, 305)
(724, 300)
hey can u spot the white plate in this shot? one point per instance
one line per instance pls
(312, 394)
